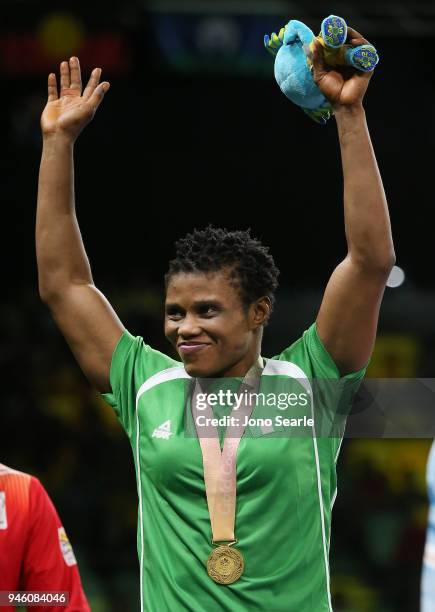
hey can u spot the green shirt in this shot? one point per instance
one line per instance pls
(286, 485)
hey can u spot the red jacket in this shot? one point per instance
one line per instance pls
(35, 553)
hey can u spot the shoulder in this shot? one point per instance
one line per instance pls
(132, 356)
(16, 482)
(310, 355)
(130, 346)
(136, 366)
(8, 472)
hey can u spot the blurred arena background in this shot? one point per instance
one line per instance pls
(194, 129)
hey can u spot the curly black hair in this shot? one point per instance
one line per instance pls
(250, 265)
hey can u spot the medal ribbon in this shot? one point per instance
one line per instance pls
(220, 467)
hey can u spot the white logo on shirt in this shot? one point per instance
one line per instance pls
(3, 516)
(163, 431)
(66, 548)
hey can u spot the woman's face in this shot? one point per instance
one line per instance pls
(209, 327)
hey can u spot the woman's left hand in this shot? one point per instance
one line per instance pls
(344, 86)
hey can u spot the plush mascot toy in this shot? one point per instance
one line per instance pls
(293, 49)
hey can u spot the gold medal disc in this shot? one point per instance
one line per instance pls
(225, 564)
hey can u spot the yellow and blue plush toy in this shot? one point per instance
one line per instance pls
(293, 48)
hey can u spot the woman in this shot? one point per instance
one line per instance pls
(219, 296)
(35, 552)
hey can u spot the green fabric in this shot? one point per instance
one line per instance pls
(278, 514)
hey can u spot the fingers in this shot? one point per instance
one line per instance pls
(98, 94)
(364, 76)
(318, 59)
(355, 38)
(92, 83)
(71, 83)
(75, 74)
(52, 88)
(64, 77)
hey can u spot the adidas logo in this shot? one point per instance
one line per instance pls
(163, 431)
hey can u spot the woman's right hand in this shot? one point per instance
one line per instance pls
(68, 113)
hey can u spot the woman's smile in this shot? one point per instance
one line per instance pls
(188, 348)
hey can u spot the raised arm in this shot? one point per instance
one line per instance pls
(81, 312)
(348, 317)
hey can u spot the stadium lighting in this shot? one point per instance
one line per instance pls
(396, 278)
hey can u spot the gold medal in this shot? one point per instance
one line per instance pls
(225, 565)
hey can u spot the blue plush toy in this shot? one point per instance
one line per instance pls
(293, 48)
